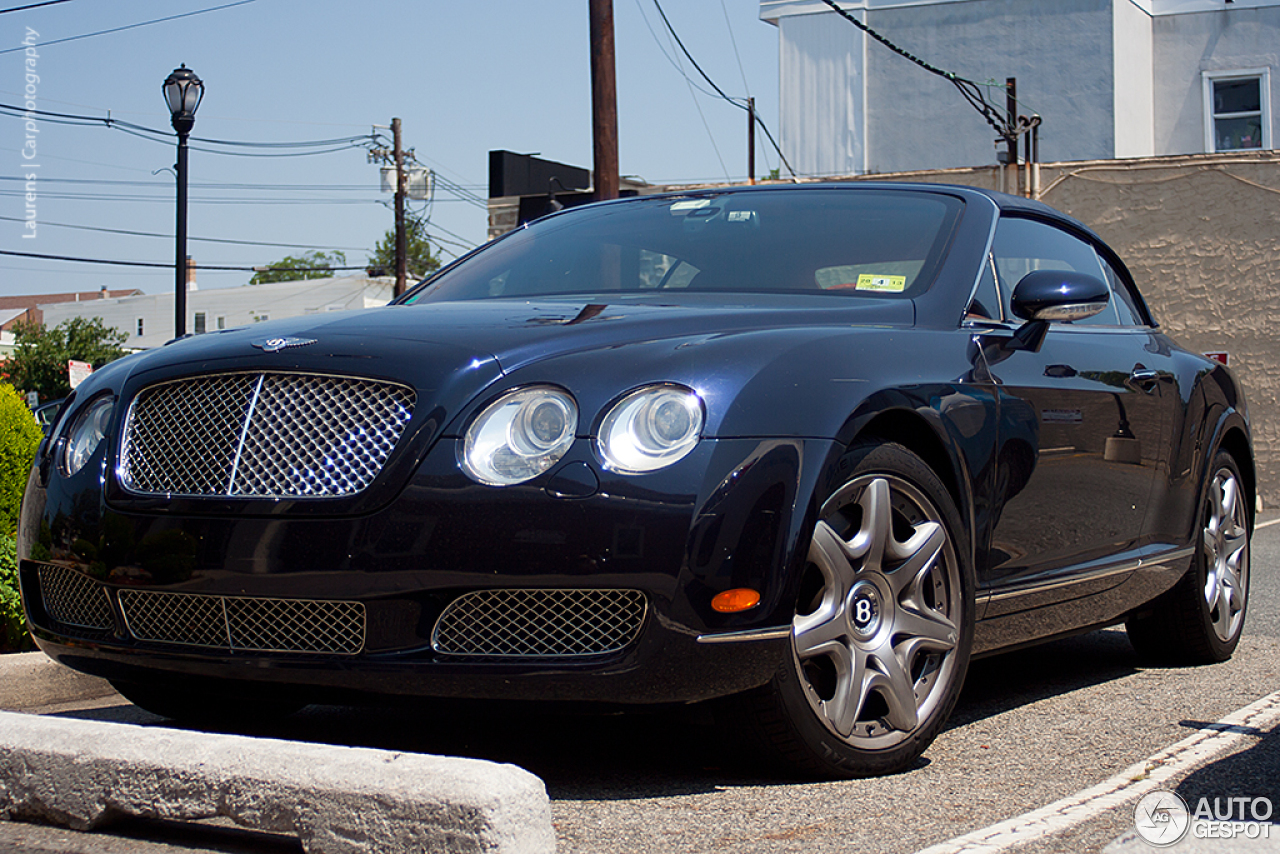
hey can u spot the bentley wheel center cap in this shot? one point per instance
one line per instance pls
(865, 610)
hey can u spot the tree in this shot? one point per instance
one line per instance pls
(418, 255)
(39, 360)
(310, 265)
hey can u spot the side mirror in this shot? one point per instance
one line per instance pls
(1059, 295)
(1042, 297)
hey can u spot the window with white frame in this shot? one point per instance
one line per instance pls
(201, 323)
(1237, 110)
(139, 327)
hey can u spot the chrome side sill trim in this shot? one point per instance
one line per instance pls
(1163, 557)
(749, 635)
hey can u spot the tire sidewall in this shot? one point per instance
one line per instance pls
(833, 753)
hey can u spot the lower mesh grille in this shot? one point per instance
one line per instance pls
(74, 599)
(245, 624)
(539, 623)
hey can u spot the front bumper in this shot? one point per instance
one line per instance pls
(733, 514)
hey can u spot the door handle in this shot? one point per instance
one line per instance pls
(1144, 378)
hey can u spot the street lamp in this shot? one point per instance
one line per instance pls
(182, 92)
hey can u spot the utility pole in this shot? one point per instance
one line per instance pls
(402, 262)
(751, 140)
(604, 99)
(1011, 105)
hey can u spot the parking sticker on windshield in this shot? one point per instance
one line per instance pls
(881, 284)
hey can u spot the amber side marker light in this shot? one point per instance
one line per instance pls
(735, 600)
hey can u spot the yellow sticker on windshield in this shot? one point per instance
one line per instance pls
(881, 284)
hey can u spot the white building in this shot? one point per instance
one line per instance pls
(149, 318)
(1110, 79)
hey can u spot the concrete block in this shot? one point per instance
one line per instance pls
(335, 800)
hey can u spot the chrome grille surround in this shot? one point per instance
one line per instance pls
(73, 599)
(262, 435)
(245, 623)
(539, 623)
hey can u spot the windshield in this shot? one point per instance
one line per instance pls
(882, 244)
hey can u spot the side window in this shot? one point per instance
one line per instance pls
(985, 304)
(1024, 245)
(1127, 303)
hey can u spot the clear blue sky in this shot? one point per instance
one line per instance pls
(464, 77)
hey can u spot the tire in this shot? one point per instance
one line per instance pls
(1200, 620)
(883, 625)
(216, 705)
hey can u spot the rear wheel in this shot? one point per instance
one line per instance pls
(1200, 620)
(882, 628)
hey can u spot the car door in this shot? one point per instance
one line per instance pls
(1082, 433)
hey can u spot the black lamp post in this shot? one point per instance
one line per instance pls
(182, 92)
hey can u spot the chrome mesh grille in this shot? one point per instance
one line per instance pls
(262, 435)
(74, 599)
(539, 623)
(244, 623)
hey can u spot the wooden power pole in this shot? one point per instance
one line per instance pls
(604, 100)
(402, 261)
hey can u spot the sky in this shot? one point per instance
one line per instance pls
(463, 77)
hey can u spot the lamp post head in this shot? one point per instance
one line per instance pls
(182, 92)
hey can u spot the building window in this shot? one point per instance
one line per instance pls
(258, 318)
(200, 323)
(222, 322)
(139, 327)
(1237, 110)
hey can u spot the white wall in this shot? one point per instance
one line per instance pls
(1238, 36)
(1133, 52)
(821, 68)
(1110, 78)
(1060, 52)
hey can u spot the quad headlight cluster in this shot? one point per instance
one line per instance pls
(527, 431)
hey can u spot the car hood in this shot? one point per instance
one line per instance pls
(511, 333)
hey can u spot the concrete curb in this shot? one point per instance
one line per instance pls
(335, 800)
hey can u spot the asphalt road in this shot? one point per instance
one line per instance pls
(1031, 728)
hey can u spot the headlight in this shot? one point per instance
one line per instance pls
(651, 428)
(87, 432)
(519, 436)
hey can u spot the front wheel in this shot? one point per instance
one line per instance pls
(883, 624)
(1200, 620)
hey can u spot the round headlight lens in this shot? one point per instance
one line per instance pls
(519, 436)
(651, 428)
(87, 432)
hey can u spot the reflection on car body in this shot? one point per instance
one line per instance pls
(798, 451)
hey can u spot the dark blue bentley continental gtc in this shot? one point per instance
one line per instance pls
(803, 451)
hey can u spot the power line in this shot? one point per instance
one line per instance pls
(128, 26)
(314, 146)
(755, 116)
(970, 89)
(33, 6)
(226, 240)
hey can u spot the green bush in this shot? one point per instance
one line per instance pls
(13, 631)
(19, 436)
